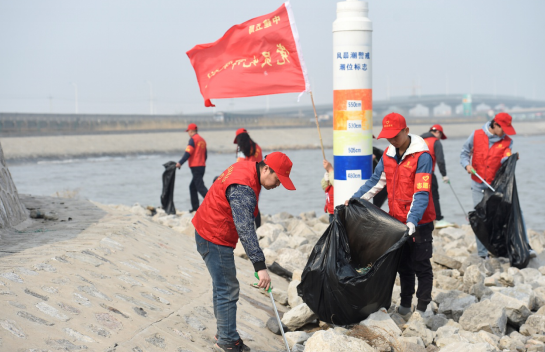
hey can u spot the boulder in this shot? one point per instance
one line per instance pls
(297, 274)
(535, 324)
(298, 316)
(281, 242)
(416, 327)
(468, 347)
(522, 292)
(446, 261)
(269, 230)
(472, 276)
(293, 298)
(539, 297)
(452, 233)
(302, 229)
(291, 259)
(447, 282)
(481, 336)
(297, 337)
(281, 216)
(485, 315)
(329, 341)
(480, 291)
(280, 296)
(509, 344)
(453, 303)
(381, 320)
(280, 271)
(448, 334)
(530, 275)
(308, 215)
(517, 312)
(297, 241)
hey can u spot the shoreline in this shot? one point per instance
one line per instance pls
(38, 148)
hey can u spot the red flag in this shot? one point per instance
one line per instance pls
(258, 57)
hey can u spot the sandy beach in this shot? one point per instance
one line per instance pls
(76, 146)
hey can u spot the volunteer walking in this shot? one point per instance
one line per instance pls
(196, 155)
(484, 152)
(405, 169)
(226, 215)
(433, 140)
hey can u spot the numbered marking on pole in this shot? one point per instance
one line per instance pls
(354, 150)
(353, 125)
(353, 174)
(353, 105)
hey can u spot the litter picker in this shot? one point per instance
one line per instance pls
(461, 206)
(277, 316)
(482, 179)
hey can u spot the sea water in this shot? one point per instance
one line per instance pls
(137, 179)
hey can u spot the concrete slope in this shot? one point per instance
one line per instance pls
(104, 279)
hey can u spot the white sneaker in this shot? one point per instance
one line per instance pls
(442, 224)
(533, 253)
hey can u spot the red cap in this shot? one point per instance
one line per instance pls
(391, 125)
(281, 164)
(504, 120)
(239, 131)
(439, 128)
(191, 127)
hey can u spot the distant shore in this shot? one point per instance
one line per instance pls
(79, 146)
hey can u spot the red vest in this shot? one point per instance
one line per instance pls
(487, 161)
(198, 156)
(329, 205)
(214, 218)
(403, 182)
(430, 141)
(257, 157)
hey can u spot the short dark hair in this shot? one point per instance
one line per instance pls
(492, 122)
(262, 164)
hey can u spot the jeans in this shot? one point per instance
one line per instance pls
(415, 261)
(197, 185)
(220, 262)
(435, 197)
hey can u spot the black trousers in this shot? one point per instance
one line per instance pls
(415, 261)
(435, 196)
(197, 186)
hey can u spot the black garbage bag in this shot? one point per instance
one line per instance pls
(497, 220)
(361, 234)
(167, 197)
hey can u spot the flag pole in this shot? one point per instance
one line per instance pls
(317, 124)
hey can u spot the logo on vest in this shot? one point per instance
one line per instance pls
(408, 164)
(499, 145)
(229, 171)
(425, 178)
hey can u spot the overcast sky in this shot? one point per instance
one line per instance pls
(111, 49)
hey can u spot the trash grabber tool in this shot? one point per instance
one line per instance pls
(277, 316)
(482, 179)
(461, 206)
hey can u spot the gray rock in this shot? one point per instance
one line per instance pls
(298, 348)
(539, 297)
(78, 336)
(157, 340)
(485, 315)
(99, 331)
(109, 321)
(298, 316)
(45, 267)
(535, 324)
(507, 343)
(37, 295)
(480, 291)
(12, 276)
(47, 309)
(329, 341)
(453, 303)
(64, 345)
(446, 261)
(11, 326)
(448, 334)
(272, 325)
(436, 321)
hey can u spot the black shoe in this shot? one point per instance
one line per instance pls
(238, 346)
(192, 210)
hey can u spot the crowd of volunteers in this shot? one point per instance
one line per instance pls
(404, 173)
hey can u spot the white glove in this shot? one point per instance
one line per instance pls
(326, 176)
(412, 228)
(446, 179)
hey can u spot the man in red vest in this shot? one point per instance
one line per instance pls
(433, 141)
(484, 151)
(196, 155)
(226, 215)
(405, 168)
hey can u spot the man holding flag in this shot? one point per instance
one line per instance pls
(261, 56)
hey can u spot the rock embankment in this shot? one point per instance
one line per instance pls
(129, 277)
